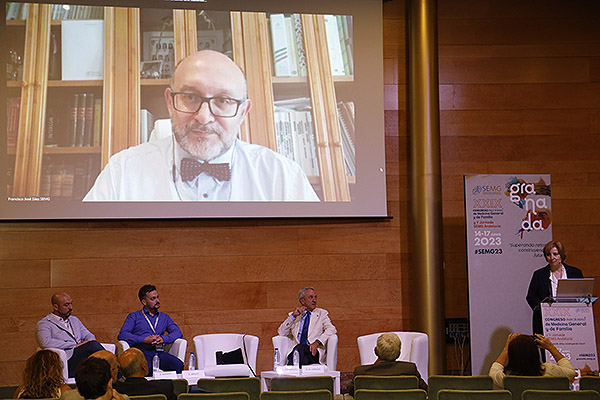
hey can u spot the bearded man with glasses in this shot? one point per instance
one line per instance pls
(204, 160)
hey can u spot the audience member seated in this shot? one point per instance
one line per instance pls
(521, 357)
(42, 377)
(134, 368)
(111, 359)
(94, 380)
(387, 351)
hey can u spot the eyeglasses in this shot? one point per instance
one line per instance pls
(190, 103)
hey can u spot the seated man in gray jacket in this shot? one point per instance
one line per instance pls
(61, 330)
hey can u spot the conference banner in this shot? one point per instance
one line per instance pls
(508, 222)
(570, 326)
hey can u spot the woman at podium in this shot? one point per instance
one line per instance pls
(545, 280)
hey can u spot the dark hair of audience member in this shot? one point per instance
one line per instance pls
(42, 376)
(523, 357)
(92, 377)
(145, 289)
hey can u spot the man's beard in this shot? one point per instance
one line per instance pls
(203, 148)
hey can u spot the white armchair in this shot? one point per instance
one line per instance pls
(207, 346)
(63, 357)
(285, 345)
(415, 348)
(178, 348)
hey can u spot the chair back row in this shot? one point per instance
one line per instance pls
(439, 382)
(408, 394)
(369, 382)
(287, 395)
(518, 384)
(449, 394)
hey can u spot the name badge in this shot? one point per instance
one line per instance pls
(165, 375)
(313, 369)
(287, 370)
(192, 376)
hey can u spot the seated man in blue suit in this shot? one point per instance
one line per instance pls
(149, 330)
(134, 368)
(61, 330)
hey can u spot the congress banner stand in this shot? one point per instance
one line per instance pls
(508, 222)
(570, 326)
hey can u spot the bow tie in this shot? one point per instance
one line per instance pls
(191, 168)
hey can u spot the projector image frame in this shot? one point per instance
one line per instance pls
(320, 107)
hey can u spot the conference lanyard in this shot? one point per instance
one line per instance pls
(149, 323)
(72, 333)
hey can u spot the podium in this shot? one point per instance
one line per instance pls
(568, 322)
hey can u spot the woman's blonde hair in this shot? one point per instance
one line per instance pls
(42, 376)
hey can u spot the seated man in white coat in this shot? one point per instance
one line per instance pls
(203, 160)
(309, 327)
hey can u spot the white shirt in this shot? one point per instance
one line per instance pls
(145, 173)
(562, 368)
(554, 281)
(63, 323)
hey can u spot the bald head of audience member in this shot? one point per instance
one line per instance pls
(111, 359)
(388, 347)
(133, 363)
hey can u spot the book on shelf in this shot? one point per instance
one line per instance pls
(346, 118)
(296, 137)
(18, 11)
(287, 39)
(88, 121)
(291, 46)
(146, 125)
(12, 10)
(97, 129)
(68, 180)
(80, 133)
(346, 35)
(82, 50)
(10, 174)
(85, 119)
(54, 61)
(289, 58)
(281, 59)
(299, 44)
(69, 11)
(13, 108)
(295, 133)
(333, 44)
(52, 127)
(72, 137)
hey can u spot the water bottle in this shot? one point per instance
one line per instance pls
(276, 359)
(192, 362)
(296, 359)
(155, 363)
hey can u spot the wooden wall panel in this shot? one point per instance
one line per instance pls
(514, 70)
(24, 273)
(519, 94)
